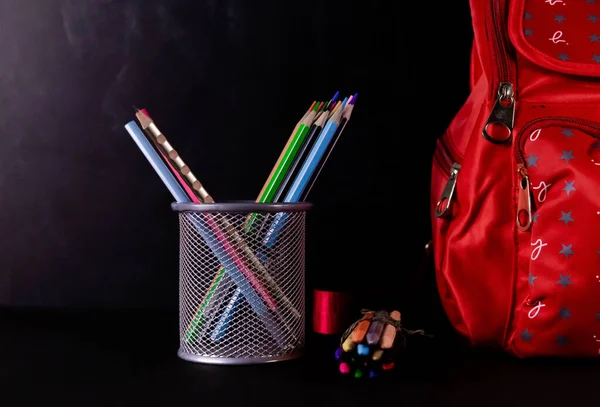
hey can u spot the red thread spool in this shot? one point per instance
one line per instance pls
(331, 312)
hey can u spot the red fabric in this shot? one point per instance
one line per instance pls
(560, 34)
(484, 264)
(567, 33)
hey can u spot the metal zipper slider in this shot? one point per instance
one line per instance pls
(448, 193)
(524, 217)
(503, 115)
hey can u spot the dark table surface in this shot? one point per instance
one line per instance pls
(129, 358)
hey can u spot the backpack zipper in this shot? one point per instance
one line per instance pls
(524, 202)
(503, 60)
(452, 168)
(503, 111)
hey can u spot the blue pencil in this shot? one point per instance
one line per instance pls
(226, 316)
(157, 163)
(204, 230)
(305, 174)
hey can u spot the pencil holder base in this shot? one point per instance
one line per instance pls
(213, 360)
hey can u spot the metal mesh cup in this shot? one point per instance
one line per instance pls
(241, 282)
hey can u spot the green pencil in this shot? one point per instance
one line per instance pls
(199, 320)
(286, 159)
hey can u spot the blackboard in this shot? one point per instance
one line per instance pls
(88, 224)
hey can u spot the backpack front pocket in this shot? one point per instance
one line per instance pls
(558, 219)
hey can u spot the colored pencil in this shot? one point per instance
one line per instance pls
(359, 332)
(347, 113)
(284, 152)
(281, 155)
(226, 316)
(309, 166)
(389, 332)
(283, 164)
(374, 332)
(184, 171)
(309, 141)
(156, 162)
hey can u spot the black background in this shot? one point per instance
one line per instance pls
(87, 224)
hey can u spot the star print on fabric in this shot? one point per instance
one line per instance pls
(591, 1)
(594, 38)
(593, 18)
(564, 313)
(535, 216)
(567, 155)
(532, 278)
(597, 251)
(563, 57)
(560, 18)
(596, 58)
(561, 340)
(567, 250)
(566, 217)
(567, 132)
(528, 32)
(564, 280)
(532, 160)
(528, 16)
(568, 188)
(598, 316)
(526, 335)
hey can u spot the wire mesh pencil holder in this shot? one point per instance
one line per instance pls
(241, 282)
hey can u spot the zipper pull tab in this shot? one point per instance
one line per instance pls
(448, 193)
(524, 217)
(503, 115)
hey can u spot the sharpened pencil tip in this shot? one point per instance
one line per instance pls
(354, 99)
(336, 96)
(143, 118)
(135, 109)
(344, 102)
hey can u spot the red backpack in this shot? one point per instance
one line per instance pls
(515, 202)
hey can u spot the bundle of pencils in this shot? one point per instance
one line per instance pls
(372, 345)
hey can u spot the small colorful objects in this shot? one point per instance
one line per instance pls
(363, 350)
(348, 345)
(389, 332)
(338, 353)
(360, 330)
(345, 368)
(375, 331)
(372, 345)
